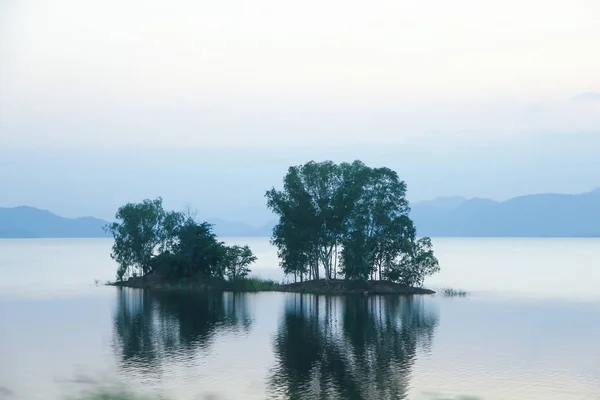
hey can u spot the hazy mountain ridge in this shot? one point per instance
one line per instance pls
(30, 222)
(443, 202)
(538, 215)
(26, 222)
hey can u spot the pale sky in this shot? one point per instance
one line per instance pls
(464, 97)
(178, 73)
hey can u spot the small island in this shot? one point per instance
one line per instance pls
(342, 229)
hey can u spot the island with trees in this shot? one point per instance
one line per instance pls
(342, 228)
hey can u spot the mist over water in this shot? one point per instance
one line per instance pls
(550, 268)
(528, 330)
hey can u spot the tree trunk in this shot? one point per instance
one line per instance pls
(316, 265)
(335, 263)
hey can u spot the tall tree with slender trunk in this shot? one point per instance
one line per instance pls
(359, 210)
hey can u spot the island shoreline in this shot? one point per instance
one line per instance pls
(320, 286)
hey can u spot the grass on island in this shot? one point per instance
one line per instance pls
(343, 286)
(252, 284)
(449, 292)
(257, 284)
(245, 284)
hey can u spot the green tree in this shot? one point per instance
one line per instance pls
(149, 239)
(138, 235)
(236, 260)
(379, 228)
(293, 252)
(295, 235)
(313, 207)
(413, 265)
(198, 248)
(362, 211)
(168, 230)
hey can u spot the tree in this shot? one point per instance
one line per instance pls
(295, 235)
(236, 260)
(414, 265)
(379, 227)
(316, 201)
(294, 248)
(138, 235)
(361, 210)
(198, 248)
(149, 239)
(168, 230)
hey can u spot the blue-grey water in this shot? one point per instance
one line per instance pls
(529, 330)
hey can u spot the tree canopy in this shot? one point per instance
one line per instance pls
(346, 219)
(148, 239)
(349, 218)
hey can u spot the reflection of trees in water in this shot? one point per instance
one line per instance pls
(155, 326)
(349, 348)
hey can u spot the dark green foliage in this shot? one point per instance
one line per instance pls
(169, 266)
(351, 214)
(414, 264)
(314, 206)
(137, 237)
(171, 245)
(246, 284)
(198, 249)
(236, 260)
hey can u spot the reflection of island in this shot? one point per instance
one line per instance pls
(349, 348)
(151, 327)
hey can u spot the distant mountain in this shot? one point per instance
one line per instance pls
(540, 215)
(443, 203)
(29, 222)
(224, 228)
(267, 229)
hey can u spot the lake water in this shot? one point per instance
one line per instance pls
(529, 330)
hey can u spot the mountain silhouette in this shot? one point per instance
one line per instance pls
(29, 222)
(539, 215)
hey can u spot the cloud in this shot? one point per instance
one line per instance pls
(588, 97)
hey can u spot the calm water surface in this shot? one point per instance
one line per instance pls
(529, 330)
